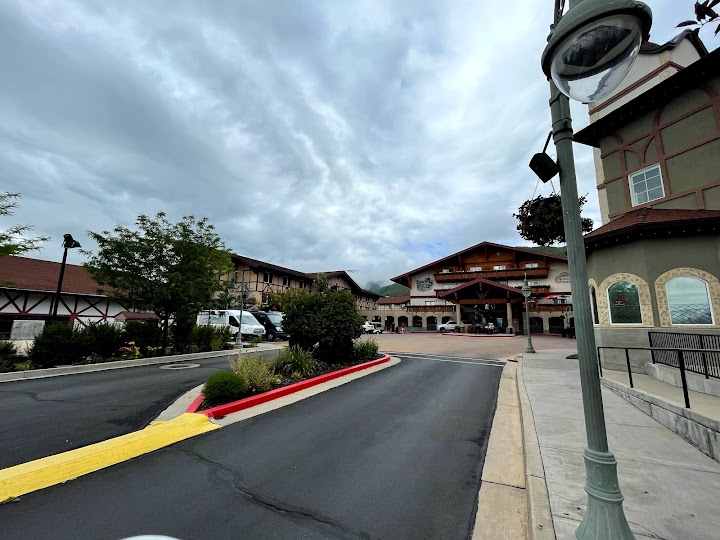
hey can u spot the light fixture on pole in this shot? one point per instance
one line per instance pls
(591, 49)
(527, 291)
(68, 243)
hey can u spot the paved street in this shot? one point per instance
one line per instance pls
(42, 417)
(397, 454)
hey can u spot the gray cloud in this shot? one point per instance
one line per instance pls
(320, 135)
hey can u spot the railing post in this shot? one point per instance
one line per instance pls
(681, 361)
(599, 362)
(627, 360)
(702, 346)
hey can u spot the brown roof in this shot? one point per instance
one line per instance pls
(38, 275)
(531, 250)
(648, 47)
(651, 218)
(254, 263)
(136, 316)
(475, 282)
(394, 299)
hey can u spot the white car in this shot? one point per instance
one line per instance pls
(368, 327)
(450, 326)
(378, 328)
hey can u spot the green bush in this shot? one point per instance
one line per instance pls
(256, 371)
(146, 335)
(202, 337)
(295, 362)
(224, 387)
(365, 350)
(8, 356)
(101, 339)
(325, 322)
(58, 343)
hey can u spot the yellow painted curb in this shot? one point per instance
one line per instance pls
(45, 472)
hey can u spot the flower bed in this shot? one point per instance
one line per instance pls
(289, 387)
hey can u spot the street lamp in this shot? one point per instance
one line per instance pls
(68, 243)
(591, 49)
(527, 291)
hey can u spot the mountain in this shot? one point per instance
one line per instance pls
(394, 289)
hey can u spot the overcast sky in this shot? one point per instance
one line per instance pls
(372, 136)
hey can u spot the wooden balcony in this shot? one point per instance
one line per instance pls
(541, 290)
(557, 308)
(509, 273)
(431, 309)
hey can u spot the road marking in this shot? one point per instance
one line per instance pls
(41, 473)
(180, 366)
(492, 364)
(432, 356)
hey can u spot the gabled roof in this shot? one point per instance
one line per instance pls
(693, 36)
(531, 250)
(475, 282)
(394, 300)
(354, 287)
(677, 84)
(645, 220)
(256, 264)
(39, 275)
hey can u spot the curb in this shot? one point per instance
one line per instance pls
(120, 364)
(224, 410)
(41, 473)
(540, 522)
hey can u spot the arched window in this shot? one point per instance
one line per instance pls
(624, 302)
(688, 301)
(593, 302)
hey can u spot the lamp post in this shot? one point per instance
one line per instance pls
(527, 291)
(591, 49)
(68, 243)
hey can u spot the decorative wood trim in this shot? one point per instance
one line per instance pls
(635, 85)
(696, 190)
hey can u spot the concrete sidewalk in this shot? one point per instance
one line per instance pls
(671, 489)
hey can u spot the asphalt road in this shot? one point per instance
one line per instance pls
(396, 454)
(42, 417)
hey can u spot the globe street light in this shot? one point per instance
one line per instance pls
(591, 49)
(527, 291)
(68, 243)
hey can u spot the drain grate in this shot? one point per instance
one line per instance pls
(180, 366)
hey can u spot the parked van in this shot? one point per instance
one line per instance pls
(247, 325)
(272, 321)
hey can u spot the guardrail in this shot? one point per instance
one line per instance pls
(704, 362)
(681, 364)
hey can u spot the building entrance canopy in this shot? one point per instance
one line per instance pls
(482, 291)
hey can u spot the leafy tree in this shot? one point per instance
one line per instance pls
(169, 268)
(323, 321)
(541, 220)
(11, 240)
(704, 14)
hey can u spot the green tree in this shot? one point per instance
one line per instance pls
(541, 220)
(170, 268)
(323, 321)
(11, 239)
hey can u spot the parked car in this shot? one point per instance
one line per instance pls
(272, 322)
(239, 322)
(368, 327)
(450, 326)
(378, 328)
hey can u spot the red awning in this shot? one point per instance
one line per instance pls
(550, 297)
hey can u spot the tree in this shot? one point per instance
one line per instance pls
(704, 14)
(541, 220)
(323, 321)
(172, 269)
(11, 240)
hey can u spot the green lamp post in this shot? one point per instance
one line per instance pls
(591, 49)
(527, 291)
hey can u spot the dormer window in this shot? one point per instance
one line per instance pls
(646, 185)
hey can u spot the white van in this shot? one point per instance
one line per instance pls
(247, 324)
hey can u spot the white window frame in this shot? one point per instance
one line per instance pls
(634, 195)
(268, 277)
(286, 281)
(475, 269)
(500, 267)
(532, 265)
(446, 271)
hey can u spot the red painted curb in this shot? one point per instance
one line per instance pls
(195, 404)
(235, 406)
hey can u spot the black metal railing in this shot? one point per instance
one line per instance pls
(704, 361)
(680, 356)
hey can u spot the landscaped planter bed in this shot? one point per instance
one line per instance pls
(223, 410)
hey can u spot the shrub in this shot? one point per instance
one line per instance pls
(201, 337)
(147, 336)
(256, 371)
(325, 322)
(58, 343)
(8, 356)
(295, 360)
(365, 350)
(101, 339)
(224, 387)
